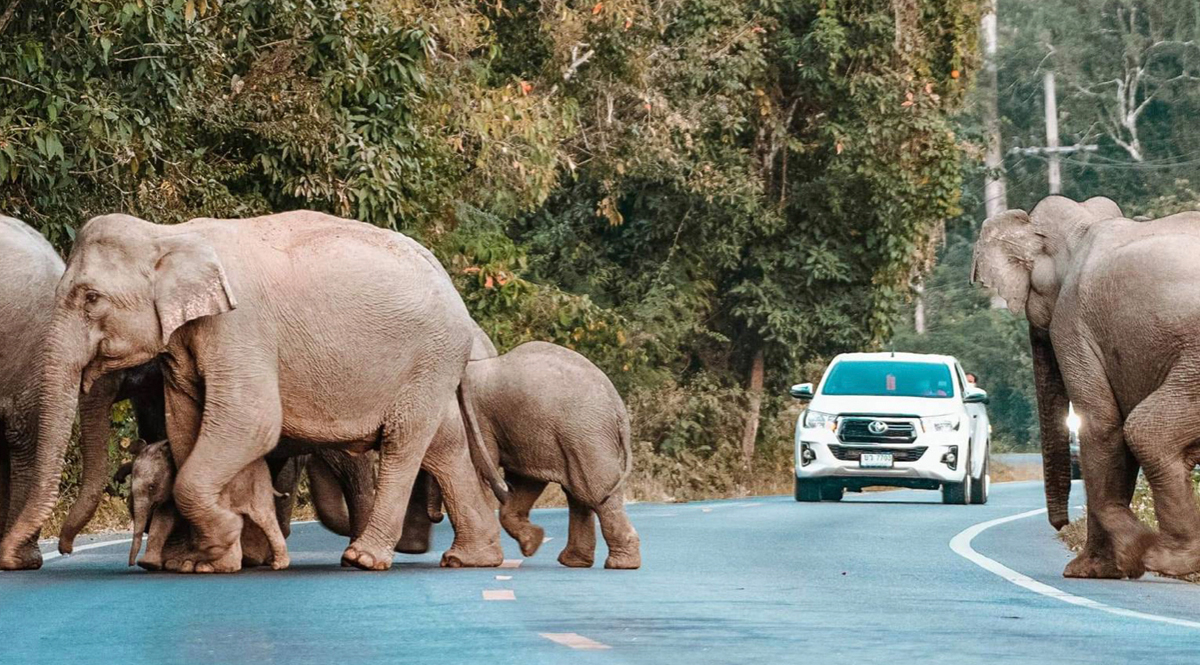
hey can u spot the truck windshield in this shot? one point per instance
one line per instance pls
(889, 378)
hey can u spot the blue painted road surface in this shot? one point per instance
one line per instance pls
(870, 580)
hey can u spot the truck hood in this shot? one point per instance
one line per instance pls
(921, 407)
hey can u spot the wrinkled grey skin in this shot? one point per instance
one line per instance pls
(342, 485)
(151, 500)
(293, 327)
(547, 414)
(29, 272)
(1113, 309)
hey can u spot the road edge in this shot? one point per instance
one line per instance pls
(960, 544)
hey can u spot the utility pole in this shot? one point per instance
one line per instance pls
(995, 196)
(1052, 150)
(1051, 104)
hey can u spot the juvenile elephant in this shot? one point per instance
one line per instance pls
(547, 414)
(151, 485)
(29, 272)
(1113, 310)
(301, 327)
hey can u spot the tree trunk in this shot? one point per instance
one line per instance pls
(754, 390)
(1052, 414)
(919, 308)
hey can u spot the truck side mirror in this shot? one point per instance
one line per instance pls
(975, 396)
(802, 391)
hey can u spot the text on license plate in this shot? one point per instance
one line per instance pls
(875, 460)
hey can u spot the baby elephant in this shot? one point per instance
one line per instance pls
(553, 416)
(151, 502)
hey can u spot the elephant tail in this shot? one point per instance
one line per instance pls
(479, 453)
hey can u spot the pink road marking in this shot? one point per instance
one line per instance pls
(499, 594)
(574, 640)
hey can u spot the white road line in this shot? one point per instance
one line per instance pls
(547, 539)
(499, 594)
(961, 544)
(574, 640)
(504, 577)
(511, 563)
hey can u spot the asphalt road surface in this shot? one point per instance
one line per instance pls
(870, 580)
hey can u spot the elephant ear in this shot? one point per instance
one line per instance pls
(189, 283)
(1004, 255)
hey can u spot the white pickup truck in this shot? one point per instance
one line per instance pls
(897, 419)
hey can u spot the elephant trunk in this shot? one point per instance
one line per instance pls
(95, 413)
(1052, 413)
(58, 398)
(141, 523)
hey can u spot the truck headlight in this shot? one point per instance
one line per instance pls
(819, 420)
(942, 423)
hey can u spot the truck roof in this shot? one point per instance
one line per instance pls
(898, 355)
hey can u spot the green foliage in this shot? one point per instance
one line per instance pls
(668, 187)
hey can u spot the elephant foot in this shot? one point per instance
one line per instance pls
(364, 557)
(1173, 559)
(530, 539)
(280, 561)
(624, 559)
(1089, 566)
(473, 557)
(576, 559)
(150, 564)
(24, 557)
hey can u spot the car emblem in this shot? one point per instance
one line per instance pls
(877, 427)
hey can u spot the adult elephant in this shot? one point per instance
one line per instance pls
(1113, 311)
(303, 326)
(29, 272)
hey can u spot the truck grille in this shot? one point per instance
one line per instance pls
(849, 454)
(858, 430)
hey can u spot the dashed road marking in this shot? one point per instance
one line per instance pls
(499, 594)
(574, 640)
(706, 510)
(961, 544)
(504, 577)
(511, 563)
(547, 539)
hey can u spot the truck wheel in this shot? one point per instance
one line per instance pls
(959, 494)
(980, 488)
(807, 490)
(832, 492)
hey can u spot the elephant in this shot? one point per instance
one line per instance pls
(1112, 317)
(250, 493)
(30, 270)
(547, 414)
(298, 329)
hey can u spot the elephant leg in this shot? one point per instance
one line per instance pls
(262, 514)
(1116, 539)
(1160, 431)
(624, 546)
(256, 548)
(18, 462)
(417, 536)
(5, 472)
(233, 437)
(514, 515)
(405, 439)
(327, 497)
(476, 530)
(580, 551)
(161, 526)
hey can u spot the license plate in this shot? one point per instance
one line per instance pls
(875, 460)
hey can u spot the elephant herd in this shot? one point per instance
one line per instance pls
(256, 350)
(1113, 306)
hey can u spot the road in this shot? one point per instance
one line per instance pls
(763, 580)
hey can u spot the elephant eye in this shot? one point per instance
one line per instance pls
(91, 297)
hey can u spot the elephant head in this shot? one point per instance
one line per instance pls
(152, 481)
(1024, 258)
(129, 285)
